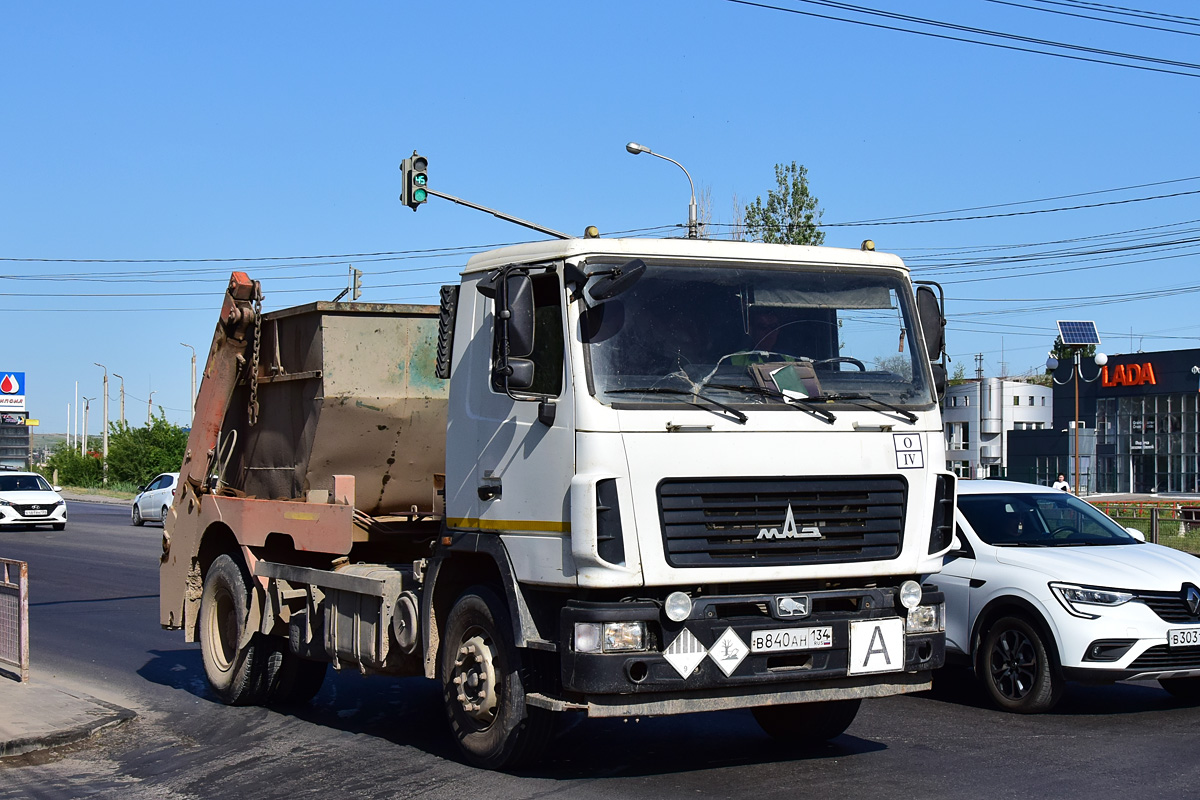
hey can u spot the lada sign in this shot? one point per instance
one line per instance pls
(12, 391)
(1128, 375)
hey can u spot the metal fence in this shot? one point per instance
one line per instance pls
(14, 618)
(1164, 522)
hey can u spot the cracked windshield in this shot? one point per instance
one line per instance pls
(755, 336)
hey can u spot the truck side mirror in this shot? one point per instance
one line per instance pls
(933, 324)
(518, 316)
(521, 375)
(618, 280)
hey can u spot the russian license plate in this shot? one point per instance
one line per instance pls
(782, 639)
(1183, 637)
(876, 645)
(36, 512)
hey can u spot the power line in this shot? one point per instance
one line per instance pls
(948, 37)
(1095, 19)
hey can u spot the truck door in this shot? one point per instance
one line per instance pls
(508, 464)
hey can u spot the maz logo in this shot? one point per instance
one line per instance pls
(790, 531)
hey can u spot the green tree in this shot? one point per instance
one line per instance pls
(74, 468)
(1066, 353)
(138, 454)
(791, 215)
(960, 374)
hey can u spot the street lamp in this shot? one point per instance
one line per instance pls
(87, 406)
(1076, 376)
(149, 410)
(104, 448)
(189, 347)
(115, 375)
(693, 227)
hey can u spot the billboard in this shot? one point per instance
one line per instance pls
(12, 391)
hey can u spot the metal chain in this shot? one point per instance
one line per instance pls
(253, 409)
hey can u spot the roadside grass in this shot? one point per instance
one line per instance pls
(117, 489)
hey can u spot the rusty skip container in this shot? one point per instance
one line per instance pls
(342, 389)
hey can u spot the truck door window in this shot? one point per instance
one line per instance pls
(547, 356)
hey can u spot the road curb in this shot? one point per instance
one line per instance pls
(51, 717)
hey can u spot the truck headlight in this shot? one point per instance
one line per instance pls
(925, 619)
(609, 637)
(1077, 599)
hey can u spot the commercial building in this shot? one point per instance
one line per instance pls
(980, 415)
(1139, 426)
(14, 433)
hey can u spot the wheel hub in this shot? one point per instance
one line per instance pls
(1013, 665)
(475, 677)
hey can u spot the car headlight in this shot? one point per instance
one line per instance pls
(5, 503)
(1078, 600)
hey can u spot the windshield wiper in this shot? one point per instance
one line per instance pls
(737, 415)
(800, 403)
(863, 399)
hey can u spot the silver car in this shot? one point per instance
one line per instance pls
(154, 499)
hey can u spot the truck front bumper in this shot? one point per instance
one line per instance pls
(707, 660)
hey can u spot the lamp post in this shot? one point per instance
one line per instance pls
(189, 347)
(149, 410)
(104, 447)
(693, 228)
(87, 406)
(1076, 376)
(115, 375)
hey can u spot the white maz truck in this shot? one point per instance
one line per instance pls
(612, 477)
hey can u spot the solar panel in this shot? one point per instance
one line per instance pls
(1078, 334)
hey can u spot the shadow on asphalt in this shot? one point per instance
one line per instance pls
(958, 685)
(409, 712)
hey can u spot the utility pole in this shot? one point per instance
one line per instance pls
(189, 347)
(76, 442)
(150, 410)
(104, 448)
(115, 375)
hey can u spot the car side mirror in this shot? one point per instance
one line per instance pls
(1135, 533)
(56, 488)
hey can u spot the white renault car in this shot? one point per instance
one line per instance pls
(27, 498)
(153, 500)
(1042, 588)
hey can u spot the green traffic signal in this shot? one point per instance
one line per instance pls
(420, 195)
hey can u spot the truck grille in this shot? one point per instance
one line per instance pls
(742, 523)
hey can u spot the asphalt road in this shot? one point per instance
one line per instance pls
(94, 627)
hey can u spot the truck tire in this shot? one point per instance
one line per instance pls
(484, 685)
(293, 681)
(237, 677)
(1017, 668)
(807, 723)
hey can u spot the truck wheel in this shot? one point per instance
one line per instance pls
(237, 677)
(807, 723)
(293, 680)
(1186, 689)
(483, 685)
(1017, 669)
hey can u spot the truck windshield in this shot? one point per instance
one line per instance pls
(757, 336)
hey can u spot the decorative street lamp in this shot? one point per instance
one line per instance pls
(693, 227)
(1076, 376)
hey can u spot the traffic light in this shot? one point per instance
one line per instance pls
(416, 178)
(356, 284)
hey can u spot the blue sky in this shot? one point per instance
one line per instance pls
(198, 138)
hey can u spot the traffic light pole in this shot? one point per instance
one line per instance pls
(500, 214)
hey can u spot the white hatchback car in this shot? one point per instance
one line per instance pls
(1042, 588)
(27, 498)
(154, 499)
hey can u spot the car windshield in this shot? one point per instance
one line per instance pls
(756, 335)
(23, 483)
(1039, 519)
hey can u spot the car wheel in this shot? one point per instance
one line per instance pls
(1186, 689)
(807, 723)
(163, 516)
(137, 516)
(1017, 668)
(484, 685)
